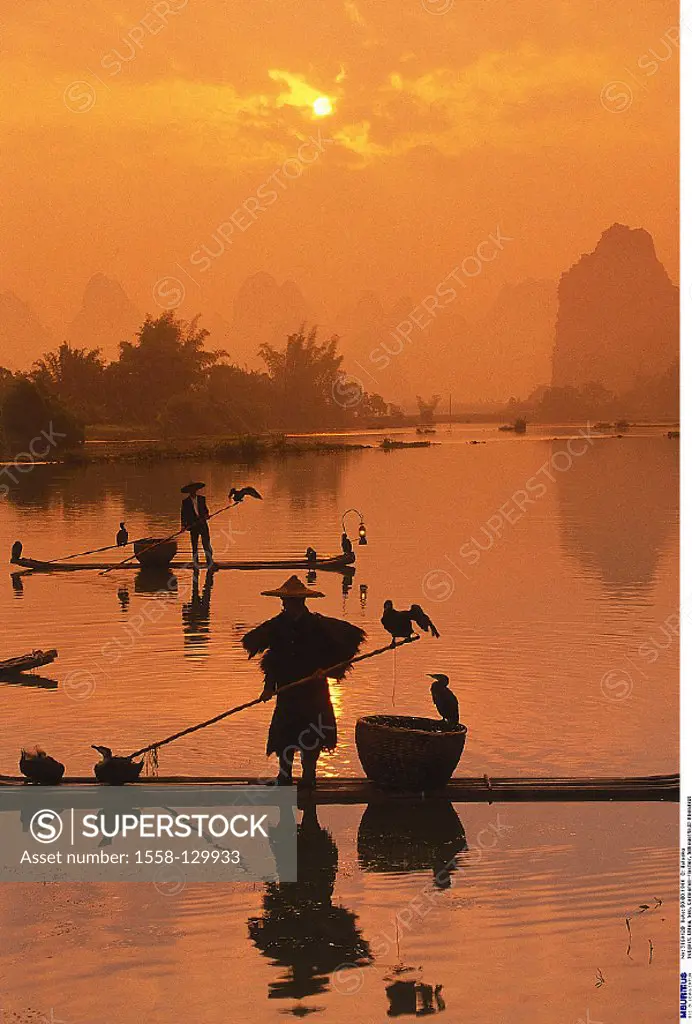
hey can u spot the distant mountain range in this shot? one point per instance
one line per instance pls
(612, 318)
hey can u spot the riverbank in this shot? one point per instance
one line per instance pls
(228, 449)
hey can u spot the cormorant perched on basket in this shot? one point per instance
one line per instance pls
(122, 536)
(400, 624)
(443, 698)
(116, 771)
(298, 643)
(237, 494)
(38, 767)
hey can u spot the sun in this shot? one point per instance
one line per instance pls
(322, 106)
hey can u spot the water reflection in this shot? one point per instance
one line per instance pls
(196, 614)
(307, 481)
(301, 930)
(26, 679)
(404, 836)
(156, 581)
(617, 507)
(414, 999)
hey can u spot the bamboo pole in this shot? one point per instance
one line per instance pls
(260, 700)
(92, 551)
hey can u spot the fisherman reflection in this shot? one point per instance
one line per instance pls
(197, 612)
(300, 928)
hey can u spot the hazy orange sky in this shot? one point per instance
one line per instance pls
(133, 130)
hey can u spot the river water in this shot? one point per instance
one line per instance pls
(549, 565)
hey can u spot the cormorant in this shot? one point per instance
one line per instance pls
(236, 495)
(38, 767)
(115, 771)
(443, 698)
(17, 548)
(400, 624)
(346, 544)
(122, 536)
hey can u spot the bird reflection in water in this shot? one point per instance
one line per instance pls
(124, 598)
(406, 837)
(197, 612)
(301, 929)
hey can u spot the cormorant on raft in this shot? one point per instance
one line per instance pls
(116, 771)
(16, 551)
(39, 768)
(400, 624)
(346, 544)
(238, 494)
(122, 536)
(443, 698)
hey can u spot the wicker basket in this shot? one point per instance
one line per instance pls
(399, 752)
(153, 552)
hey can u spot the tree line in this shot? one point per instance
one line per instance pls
(169, 382)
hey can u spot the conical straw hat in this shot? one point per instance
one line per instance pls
(293, 587)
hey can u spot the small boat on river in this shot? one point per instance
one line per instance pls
(12, 667)
(326, 563)
(183, 790)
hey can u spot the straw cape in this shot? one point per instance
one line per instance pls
(294, 647)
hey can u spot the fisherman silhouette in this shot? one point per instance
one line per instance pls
(300, 929)
(194, 514)
(298, 643)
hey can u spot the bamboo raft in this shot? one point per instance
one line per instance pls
(328, 563)
(500, 789)
(13, 667)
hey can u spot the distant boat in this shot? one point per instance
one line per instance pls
(389, 445)
(425, 430)
(26, 662)
(518, 427)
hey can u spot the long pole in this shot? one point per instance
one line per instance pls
(259, 700)
(92, 551)
(165, 540)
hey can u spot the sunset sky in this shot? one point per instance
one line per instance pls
(132, 131)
